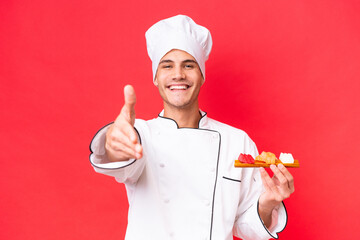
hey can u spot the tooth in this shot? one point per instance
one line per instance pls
(177, 87)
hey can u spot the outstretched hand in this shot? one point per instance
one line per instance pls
(121, 139)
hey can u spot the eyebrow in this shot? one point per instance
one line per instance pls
(171, 61)
(189, 61)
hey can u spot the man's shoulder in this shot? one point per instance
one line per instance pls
(233, 136)
(226, 128)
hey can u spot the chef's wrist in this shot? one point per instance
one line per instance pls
(265, 209)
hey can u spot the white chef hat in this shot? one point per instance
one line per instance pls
(179, 32)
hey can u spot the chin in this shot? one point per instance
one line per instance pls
(180, 105)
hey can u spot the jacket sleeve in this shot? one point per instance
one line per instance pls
(124, 171)
(248, 224)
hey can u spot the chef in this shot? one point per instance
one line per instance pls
(178, 168)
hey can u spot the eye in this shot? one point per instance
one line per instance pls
(166, 66)
(189, 66)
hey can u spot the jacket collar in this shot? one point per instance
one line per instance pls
(168, 122)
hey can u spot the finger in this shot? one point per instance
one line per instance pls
(276, 180)
(130, 100)
(118, 136)
(283, 187)
(129, 95)
(119, 155)
(126, 128)
(283, 182)
(129, 131)
(139, 150)
(288, 176)
(264, 175)
(268, 183)
(118, 129)
(121, 150)
(117, 141)
(130, 138)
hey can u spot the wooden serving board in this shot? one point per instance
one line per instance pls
(257, 164)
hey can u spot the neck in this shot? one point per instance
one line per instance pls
(185, 118)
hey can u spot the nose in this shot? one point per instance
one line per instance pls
(178, 74)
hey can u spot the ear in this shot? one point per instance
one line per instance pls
(156, 82)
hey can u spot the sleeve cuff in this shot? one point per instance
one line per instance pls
(279, 220)
(98, 156)
(110, 165)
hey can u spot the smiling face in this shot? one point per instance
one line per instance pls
(179, 79)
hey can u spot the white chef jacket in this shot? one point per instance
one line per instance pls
(186, 185)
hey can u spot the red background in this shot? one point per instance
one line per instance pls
(286, 72)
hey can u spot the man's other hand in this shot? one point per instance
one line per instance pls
(277, 189)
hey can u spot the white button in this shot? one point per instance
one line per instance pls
(215, 136)
(162, 165)
(166, 200)
(212, 169)
(171, 234)
(207, 203)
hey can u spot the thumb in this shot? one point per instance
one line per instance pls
(129, 106)
(130, 97)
